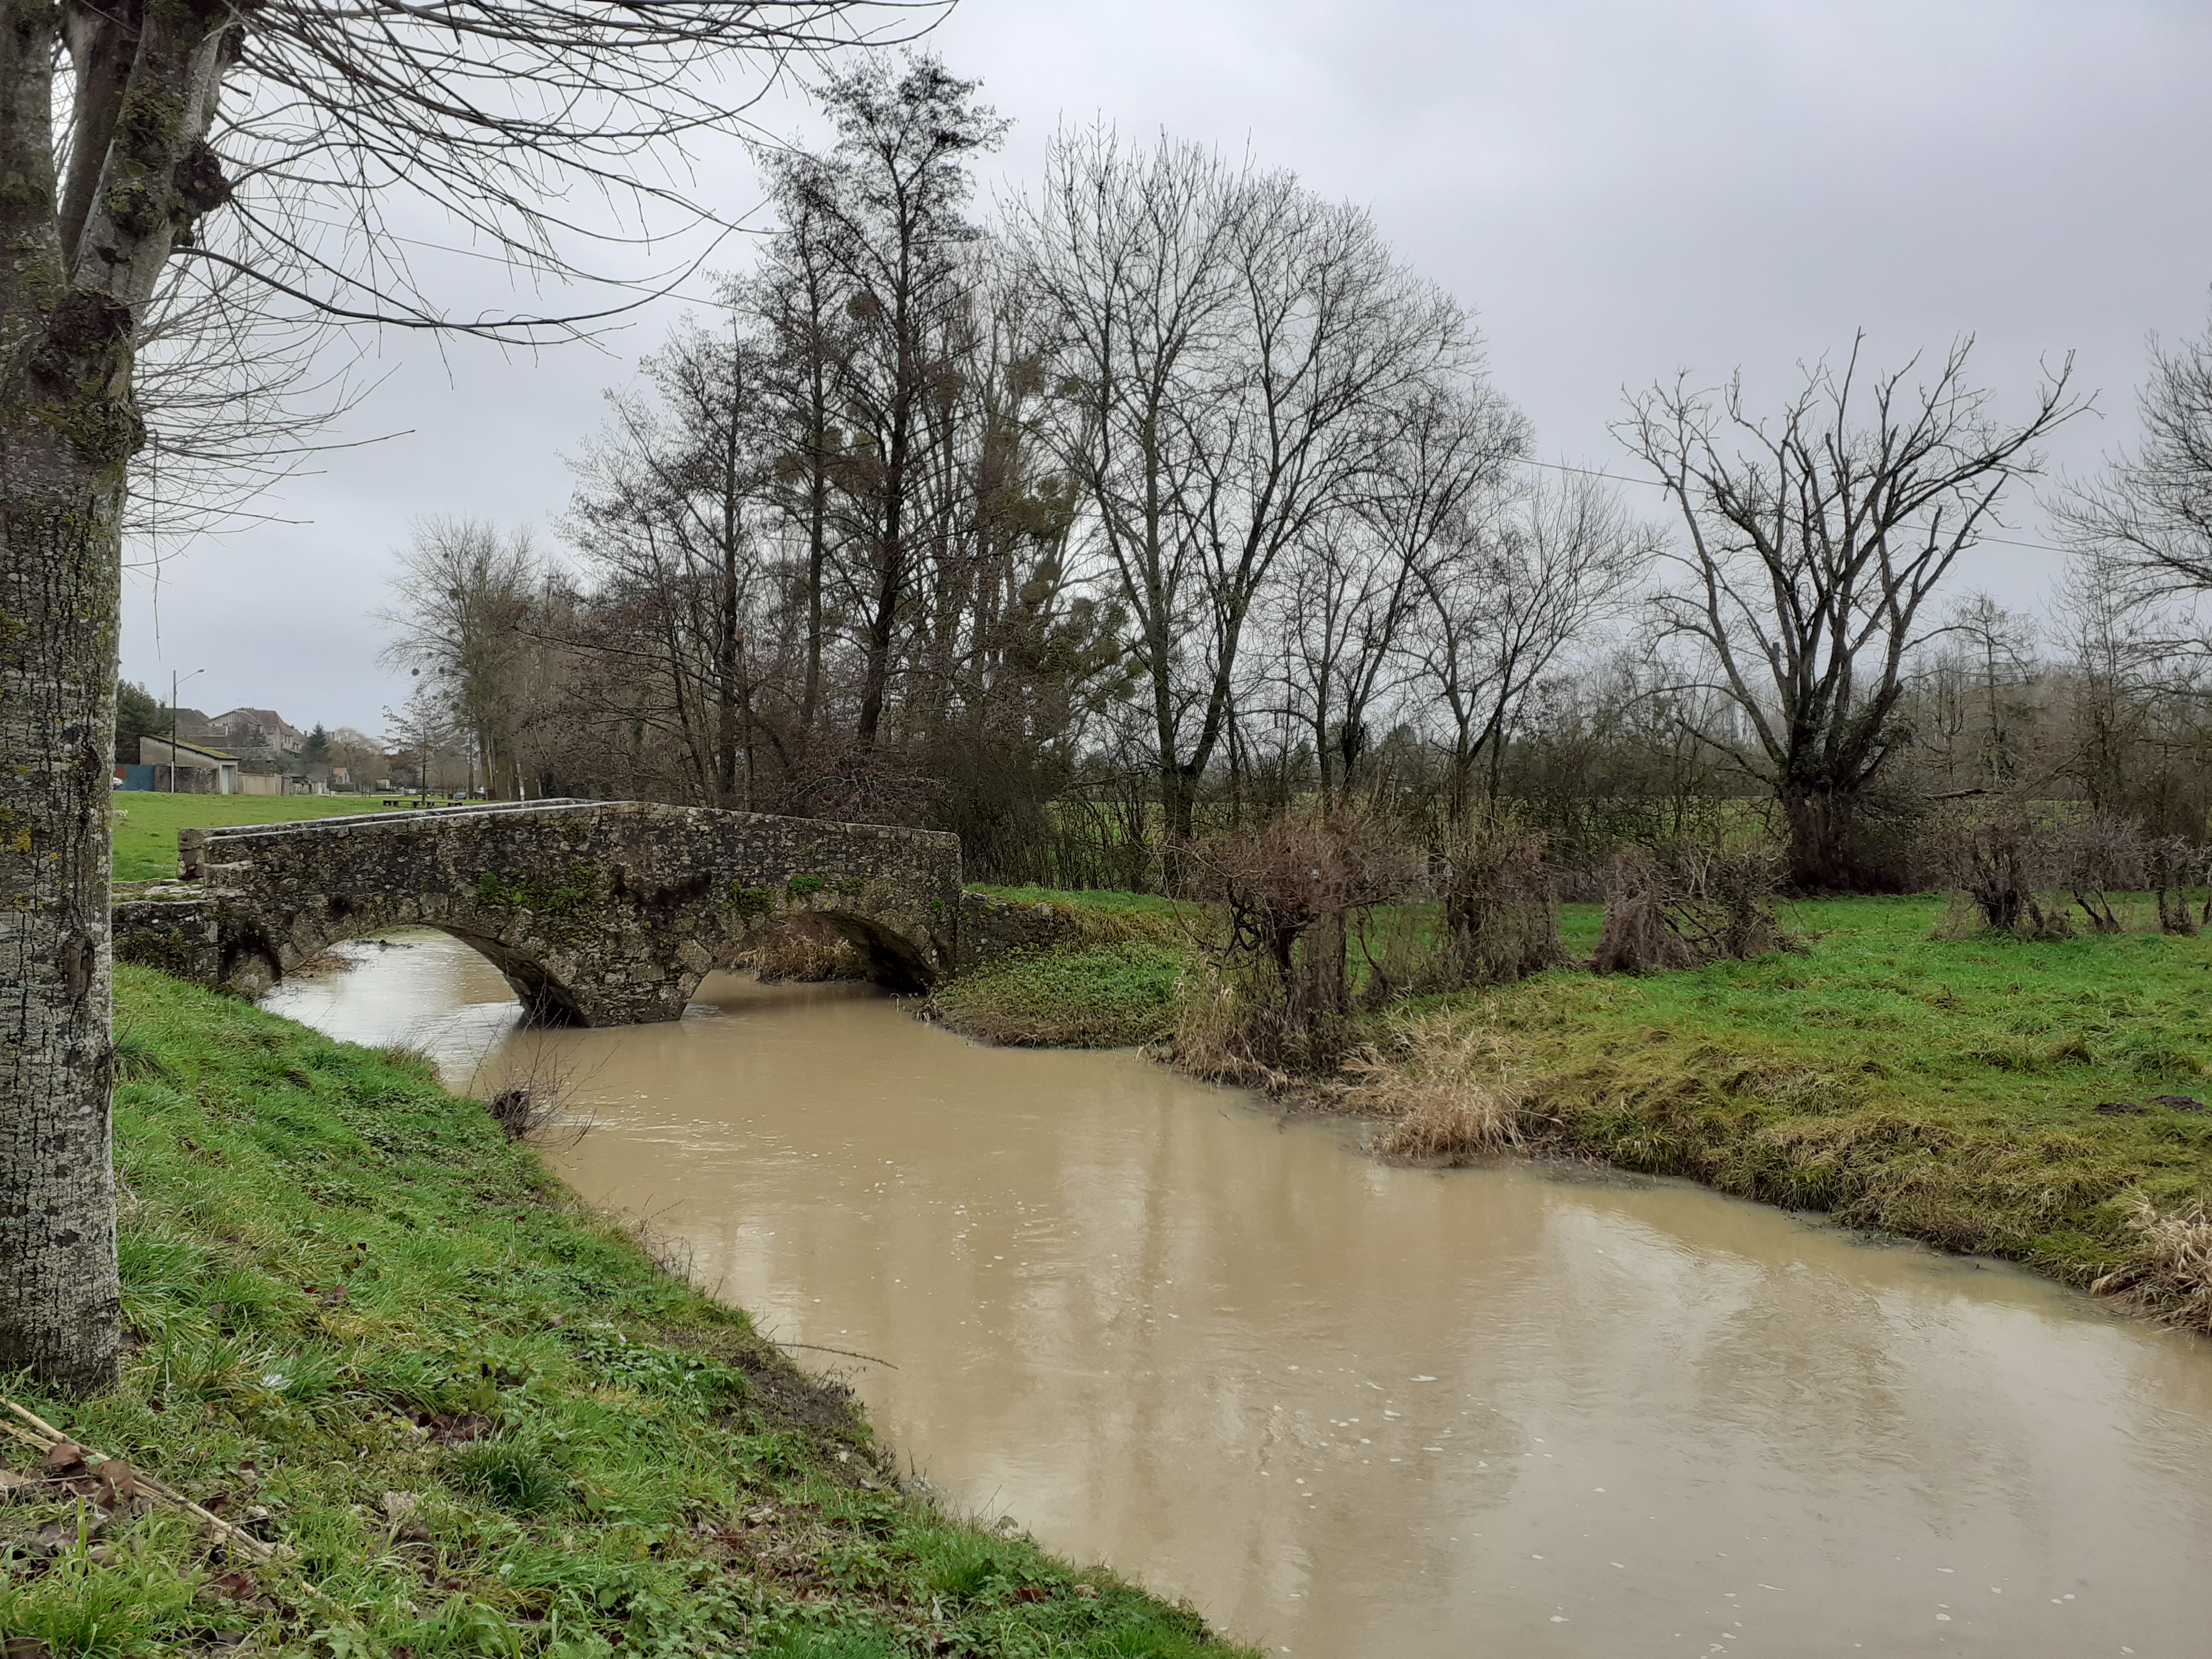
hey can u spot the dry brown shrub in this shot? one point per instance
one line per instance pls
(1287, 894)
(2096, 857)
(1683, 905)
(1502, 919)
(2170, 867)
(803, 949)
(1442, 1082)
(2006, 863)
(1996, 864)
(2170, 1270)
(535, 1101)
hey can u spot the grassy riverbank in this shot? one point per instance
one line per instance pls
(1944, 1089)
(1112, 985)
(477, 1418)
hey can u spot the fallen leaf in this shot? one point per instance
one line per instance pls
(66, 1457)
(118, 1486)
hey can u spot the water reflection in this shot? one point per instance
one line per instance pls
(1351, 1409)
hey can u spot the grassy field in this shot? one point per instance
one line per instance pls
(479, 1418)
(1947, 1089)
(147, 822)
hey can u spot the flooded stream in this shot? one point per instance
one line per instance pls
(1354, 1410)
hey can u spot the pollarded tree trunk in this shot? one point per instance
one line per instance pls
(68, 429)
(1837, 845)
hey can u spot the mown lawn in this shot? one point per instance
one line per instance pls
(147, 822)
(477, 1419)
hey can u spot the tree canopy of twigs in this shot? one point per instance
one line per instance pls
(2147, 520)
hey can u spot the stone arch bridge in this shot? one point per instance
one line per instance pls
(598, 913)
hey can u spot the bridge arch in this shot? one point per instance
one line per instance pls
(596, 913)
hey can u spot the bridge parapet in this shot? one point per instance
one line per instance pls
(598, 913)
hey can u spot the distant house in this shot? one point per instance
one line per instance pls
(190, 768)
(252, 733)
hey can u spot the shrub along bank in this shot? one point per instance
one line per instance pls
(2037, 1101)
(473, 1417)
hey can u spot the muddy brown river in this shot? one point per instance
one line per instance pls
(1351, 1409)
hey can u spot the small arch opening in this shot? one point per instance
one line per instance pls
(894, 962)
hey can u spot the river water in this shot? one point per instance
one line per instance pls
(1352, 1409)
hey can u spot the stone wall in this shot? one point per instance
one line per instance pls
(992, 930)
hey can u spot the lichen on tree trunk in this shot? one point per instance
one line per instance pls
(75, 277)
(60, 1311)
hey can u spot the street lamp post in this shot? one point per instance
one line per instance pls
(174, 683)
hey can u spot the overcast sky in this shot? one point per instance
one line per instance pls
(1620, 190)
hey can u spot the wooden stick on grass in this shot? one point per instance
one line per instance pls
(49, 1436)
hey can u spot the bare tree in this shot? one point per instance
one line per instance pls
(110, 117)
(1971, 706)
(464, 596)
(1508, 590)
(892, 197)
(1229, 346)
(671, 512)
(1359, 581)
(800, 297)
(1812, 548)
(2149, 519)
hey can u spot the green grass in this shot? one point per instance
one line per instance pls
(1097, 996)
(1113, 987)
(479, 1419)
(1942, 1088)
(147, 822)
(1096, 901)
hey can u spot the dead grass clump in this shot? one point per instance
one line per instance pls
(2170, 1270)
(802, 950)
(1226, 1031)
(1684, 905)
(1443, 1085)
